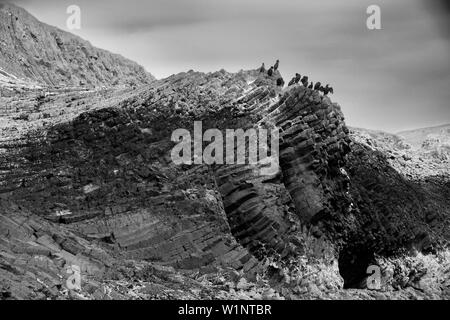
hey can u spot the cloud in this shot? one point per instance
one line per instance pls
(141, 16)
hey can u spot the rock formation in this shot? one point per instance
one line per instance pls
(87, 180)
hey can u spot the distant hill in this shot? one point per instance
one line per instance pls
(34, 51)
(421, 138)
(430, 146)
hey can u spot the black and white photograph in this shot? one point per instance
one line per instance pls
(255, 153)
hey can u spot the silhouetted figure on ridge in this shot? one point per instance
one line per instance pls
(327, 90)
(263, 68)
(291, 82)
(280, 82)
(270, 72)
(295, 79)
(311, 85)
(322, 89)
(277, 63)
(317, 86)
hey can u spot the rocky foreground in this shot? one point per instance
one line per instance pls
(87, 180)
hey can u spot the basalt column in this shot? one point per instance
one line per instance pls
(313, 144)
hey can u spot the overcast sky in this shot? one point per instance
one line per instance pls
(392, 79)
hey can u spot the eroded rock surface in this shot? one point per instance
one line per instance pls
(87, 180)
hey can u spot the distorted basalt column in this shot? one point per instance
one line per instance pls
(255, 200)
(313, 145)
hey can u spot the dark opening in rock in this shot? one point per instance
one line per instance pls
(353, 267)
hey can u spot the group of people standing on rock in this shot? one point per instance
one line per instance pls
(295, 80)
(262, 69)
(304, 80)
(271, 69)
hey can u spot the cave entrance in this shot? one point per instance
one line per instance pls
(353, 267)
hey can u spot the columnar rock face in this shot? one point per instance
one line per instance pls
(108, 173)
(42, 54)
(96, 167)
(254, 206)
(310, 180)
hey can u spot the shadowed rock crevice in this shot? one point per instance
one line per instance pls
(393, 210)
(353, 264)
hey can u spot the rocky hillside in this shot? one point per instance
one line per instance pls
(33, 51)
(417, 154)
